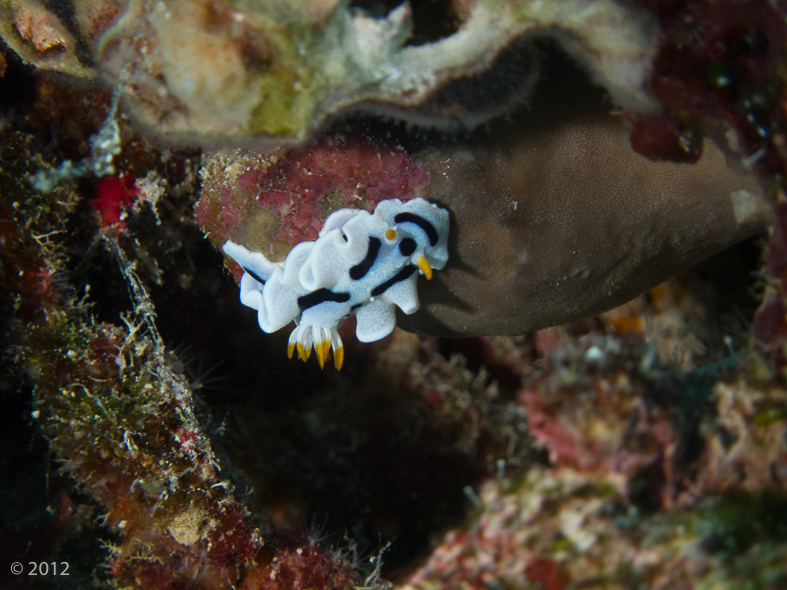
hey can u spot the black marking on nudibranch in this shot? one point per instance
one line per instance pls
(407, 246)
(253, 275)
(397, 278)
(430, 230)
(359, 271)
(320, 296)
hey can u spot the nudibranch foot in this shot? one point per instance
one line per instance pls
(362, 263)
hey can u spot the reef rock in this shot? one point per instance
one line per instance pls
(566, 222)
(213, 71)
(553, 216)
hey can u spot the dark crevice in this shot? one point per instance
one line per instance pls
(18, 84)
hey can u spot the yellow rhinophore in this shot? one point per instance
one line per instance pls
(425, 267)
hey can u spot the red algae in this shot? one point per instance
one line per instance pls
(113, 196)
(547, 573)
(719, 62)
(304, 567)
(769, 326)
(302, 186)
(666, 137)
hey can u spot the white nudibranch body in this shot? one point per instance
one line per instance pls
(362, 263)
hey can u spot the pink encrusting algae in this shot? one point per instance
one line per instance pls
(301, 186)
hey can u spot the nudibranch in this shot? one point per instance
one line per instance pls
(362, 263)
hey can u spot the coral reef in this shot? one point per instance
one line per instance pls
(656, 479)
(41, 38)
(718, 69)
(111, 404)
(209, 71)
(152, 437)
(538, 237)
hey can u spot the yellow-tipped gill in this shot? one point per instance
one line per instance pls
(338, 357)
(322, 348)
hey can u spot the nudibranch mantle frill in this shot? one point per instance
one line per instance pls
(362, 263)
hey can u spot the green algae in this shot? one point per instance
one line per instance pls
(734, 522)
(770, 415)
